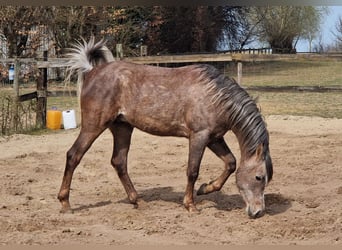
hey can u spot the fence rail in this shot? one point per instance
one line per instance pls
(192, 58)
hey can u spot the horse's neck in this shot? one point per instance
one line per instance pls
(240, 140)
(248, 145)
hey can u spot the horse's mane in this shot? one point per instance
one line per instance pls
(243, 115)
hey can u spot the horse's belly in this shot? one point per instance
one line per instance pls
(161, 125)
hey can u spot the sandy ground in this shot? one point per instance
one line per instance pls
(304, 200)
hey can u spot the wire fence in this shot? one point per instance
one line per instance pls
(16, 117)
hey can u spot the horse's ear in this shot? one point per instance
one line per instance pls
(259, 152)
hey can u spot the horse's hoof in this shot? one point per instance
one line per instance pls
(192, 209)
(202, 189)
(133, 198)
(66, 208)
(66, 211)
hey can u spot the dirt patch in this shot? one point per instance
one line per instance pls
(303, 200)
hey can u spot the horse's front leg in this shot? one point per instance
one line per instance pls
(221, 149)
(197, 144)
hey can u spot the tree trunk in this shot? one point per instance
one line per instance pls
(282, 46)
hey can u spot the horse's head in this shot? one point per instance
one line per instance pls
(252, 176)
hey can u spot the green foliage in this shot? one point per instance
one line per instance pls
(282, 26)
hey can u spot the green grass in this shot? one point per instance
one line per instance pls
(291, 73)
(327, 105)
(295, 73)
(62, 102)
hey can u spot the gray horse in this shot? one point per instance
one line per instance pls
(196, 102)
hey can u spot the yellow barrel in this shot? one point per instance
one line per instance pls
(53, 119)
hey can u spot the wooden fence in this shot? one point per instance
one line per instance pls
(41, 93)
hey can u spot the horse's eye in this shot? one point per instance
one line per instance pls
(259, 178)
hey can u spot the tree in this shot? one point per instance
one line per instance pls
(16, 24)
(69, 21)
(311, 24)
(282, 26)
(338, 33)
(162, 29)
(176, 30)
(26, 28)
(128, 26)
(199, 29)
(73, 22)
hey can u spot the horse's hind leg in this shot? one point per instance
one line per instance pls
(122, 133)
(74, 156)
(221, 149)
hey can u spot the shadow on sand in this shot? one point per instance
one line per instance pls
(90, 206)
(275, 203)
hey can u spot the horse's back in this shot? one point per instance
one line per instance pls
(161, 101)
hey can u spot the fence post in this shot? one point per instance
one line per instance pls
(16, 118)
(16, 76)
(42, 95)
(119, 51)
(239, 73)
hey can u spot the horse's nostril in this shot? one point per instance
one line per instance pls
(255, 215)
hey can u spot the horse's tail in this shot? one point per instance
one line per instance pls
(84, 57)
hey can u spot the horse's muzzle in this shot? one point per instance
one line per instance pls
(255, 214)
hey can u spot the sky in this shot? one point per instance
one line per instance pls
(327, 27)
